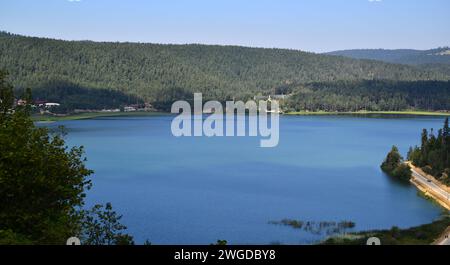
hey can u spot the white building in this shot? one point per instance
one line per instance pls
(49, 105)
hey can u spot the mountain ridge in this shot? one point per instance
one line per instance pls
(439, 55)
(165, 72)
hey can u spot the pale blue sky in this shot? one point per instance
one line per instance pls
(311, 25)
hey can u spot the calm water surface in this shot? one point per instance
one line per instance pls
(198, 190)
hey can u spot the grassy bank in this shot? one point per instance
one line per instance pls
(419, 235)
(92, 115)
(417, 113)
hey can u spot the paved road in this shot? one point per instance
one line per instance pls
(430, 185)
(445, 240)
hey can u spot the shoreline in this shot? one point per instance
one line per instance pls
(405, 113)
(91, 115)
(425, 187)
(434, 233)
(432, 189)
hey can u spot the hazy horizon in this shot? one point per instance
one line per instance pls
(217, 44)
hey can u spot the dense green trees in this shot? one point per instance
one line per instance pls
(394, 166)
(437, 60)
(392, 160)
(370, 95)
(162, 73)
(42, 182)
(101, 226)
(433, 155)
(72, 96)
(436, 57)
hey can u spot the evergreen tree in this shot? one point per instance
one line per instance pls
(446, 130)
(393, 165)
(434, 154)
(392, 160)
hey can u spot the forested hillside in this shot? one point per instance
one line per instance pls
(405, 56)
(166, 72)
(370, 95)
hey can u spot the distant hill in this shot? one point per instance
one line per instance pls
(410, 57)
(164, 73)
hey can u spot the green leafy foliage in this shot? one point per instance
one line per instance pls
(402, 172)
(393, 165)
(8, 237)
(101, 226)
(220, 243)
(419, 235)
(43, 182)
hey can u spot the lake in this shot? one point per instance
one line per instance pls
(196, 190)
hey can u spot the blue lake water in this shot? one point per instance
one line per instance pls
(196, 190)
